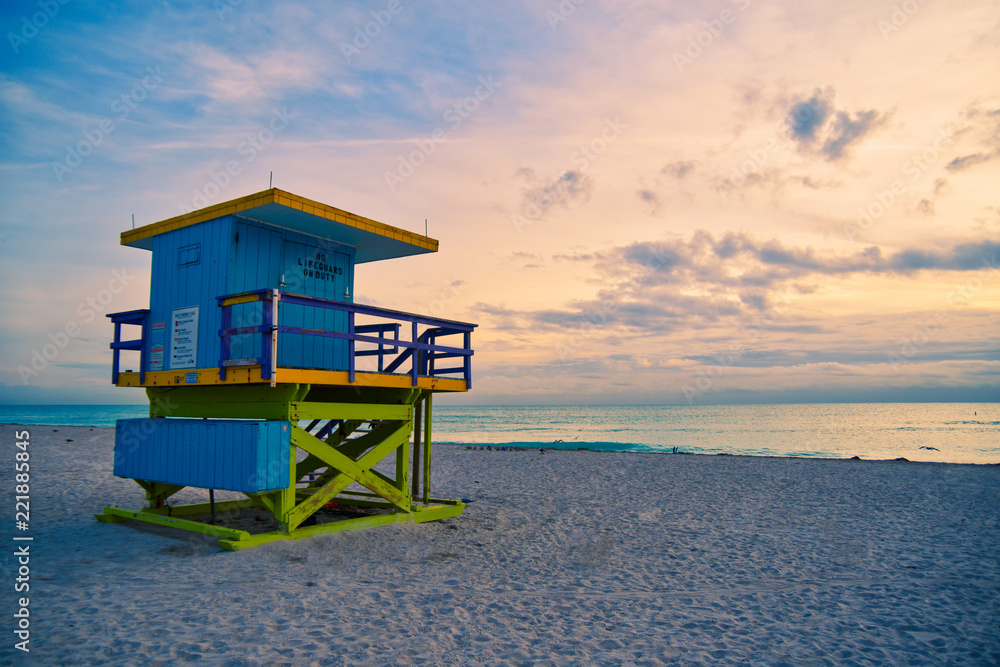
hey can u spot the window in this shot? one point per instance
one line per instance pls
(189, 254)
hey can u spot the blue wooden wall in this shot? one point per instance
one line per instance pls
(179, 280)
(194, 265)
(233, 455)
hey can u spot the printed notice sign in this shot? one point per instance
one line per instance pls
(184, 338)
(156, 346)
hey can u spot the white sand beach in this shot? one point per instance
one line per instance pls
(567, 557)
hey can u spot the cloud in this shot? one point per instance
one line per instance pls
(684, 284)
(572, 186)
(967, 161)
(817, 126)
(814, 184)
(806, 118)
(650, 198)
(679, 169)
(983, 125)
(798, 357)
(707, 258)
(846, 131)
(528, 260)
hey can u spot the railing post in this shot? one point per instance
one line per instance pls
(265, 343)
(275, 298)
(115, 356)
(142, 348)
(351, 347)
(467, 344)
(224, 339)
(416, 354)
(395, 337)
(429, 362)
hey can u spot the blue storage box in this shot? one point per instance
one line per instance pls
(228, 454)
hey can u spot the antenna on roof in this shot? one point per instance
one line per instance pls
(425, 226)
(133, 222)
(270, 183)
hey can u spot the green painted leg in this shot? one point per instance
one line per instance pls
(157, 492)
(203, 508)
(174, 522)
(435, 513)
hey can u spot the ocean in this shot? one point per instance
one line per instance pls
(944, 432)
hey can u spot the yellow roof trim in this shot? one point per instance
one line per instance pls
(282, 198)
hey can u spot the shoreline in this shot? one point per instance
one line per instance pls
(521, 447)
(528, 449)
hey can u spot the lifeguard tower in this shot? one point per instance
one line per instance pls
(265, 378)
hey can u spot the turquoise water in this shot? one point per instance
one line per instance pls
(70, 415)
(948, 432)
(958, 432)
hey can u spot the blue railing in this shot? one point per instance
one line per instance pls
(422, 349)
(139, 318)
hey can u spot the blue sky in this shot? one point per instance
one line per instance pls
(652, 202)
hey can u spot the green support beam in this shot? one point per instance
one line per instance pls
(434, 513)
(194, 526)
(350, 411)
(250, 401)
(428, 405)
(203, 508)
(389, 439)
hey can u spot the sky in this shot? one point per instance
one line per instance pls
(637, 202)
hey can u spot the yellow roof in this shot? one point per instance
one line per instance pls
(373, 240)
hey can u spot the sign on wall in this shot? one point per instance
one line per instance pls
(314, 271)
(184, 338)
(156, 346)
